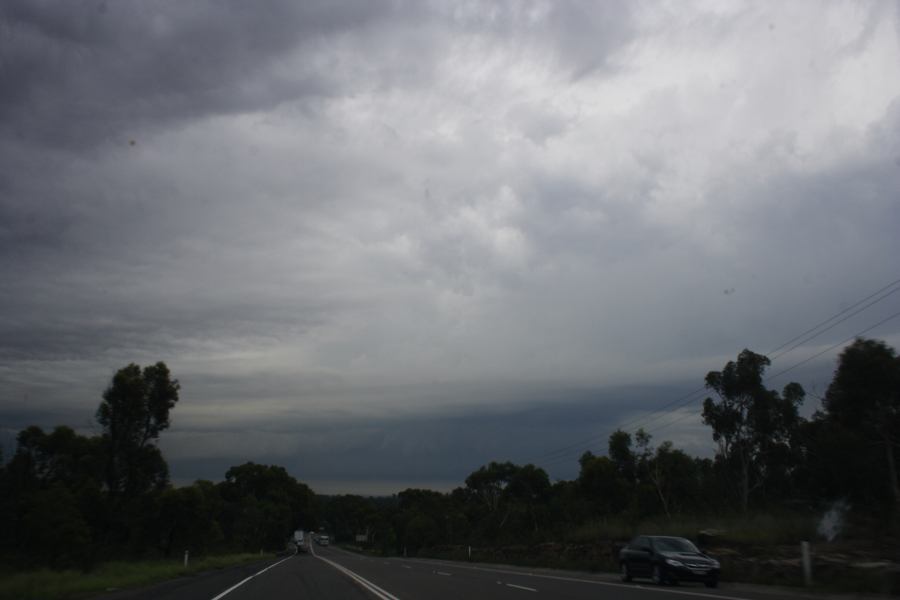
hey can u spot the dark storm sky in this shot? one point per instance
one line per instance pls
(383, 243)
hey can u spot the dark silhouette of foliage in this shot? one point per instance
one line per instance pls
(620, 452)
(862, 406)
(750, 422)
(134, 411)
(73, 500)
(262, 504)
(601, 483)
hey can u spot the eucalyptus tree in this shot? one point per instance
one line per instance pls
(749, 421)
(864, 400)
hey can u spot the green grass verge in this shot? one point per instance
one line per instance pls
(60, 585)
(762, 529)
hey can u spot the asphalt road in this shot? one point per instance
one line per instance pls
(334, 574)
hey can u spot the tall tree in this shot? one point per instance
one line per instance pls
(601, 483)
(134, 411)
(528, 494)
(52, 483)
(488, 482)
(263, 503)
(749, 421)
(674, 477)
(61, 456)
(508, 499)
(864, 397)
(421, 518)
(620, 452)
(188, 519)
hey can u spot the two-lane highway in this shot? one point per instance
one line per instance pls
(335, 574)
(408, 579)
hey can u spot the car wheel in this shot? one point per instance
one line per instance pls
(657, 575)
(626, 576)
(712, 583)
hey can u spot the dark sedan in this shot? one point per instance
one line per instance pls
(666, 559)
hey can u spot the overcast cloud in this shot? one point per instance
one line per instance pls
(384, 243)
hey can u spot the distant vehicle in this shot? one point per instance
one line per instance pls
(666, 559)
(323, 540)
(300, 540)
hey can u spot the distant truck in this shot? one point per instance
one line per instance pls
(300, 541)
(323, 540)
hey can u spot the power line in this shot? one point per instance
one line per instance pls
(559, 454)
(685, 400)
(660, 414)
(835, 324)
(818, 354)
(566, 451)
(553, 461)
(851, 307)
(794, 366)
(673, 421)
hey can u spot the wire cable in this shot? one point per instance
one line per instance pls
(559, 454)
(851, 307)
(833, 325)
(684, 401)
(794, 366)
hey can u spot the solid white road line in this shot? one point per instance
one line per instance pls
(377, 591)
(239, 584)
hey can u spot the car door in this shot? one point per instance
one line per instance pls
(639, 564)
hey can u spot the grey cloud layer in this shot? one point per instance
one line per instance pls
(337, 207)
(78, 72)
(75, 73)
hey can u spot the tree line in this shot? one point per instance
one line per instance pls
(769, 459)
(75, 500)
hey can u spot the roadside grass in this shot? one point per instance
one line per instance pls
(760, 529)
(46, 584)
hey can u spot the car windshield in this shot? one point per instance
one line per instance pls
(672, 544)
